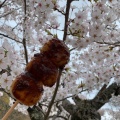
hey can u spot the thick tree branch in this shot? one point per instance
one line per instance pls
(84, 109)
(102, 89)
(105, 95)
(68, 106)
(54, 95)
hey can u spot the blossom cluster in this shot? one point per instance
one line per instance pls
(92, 36)
(8, 64)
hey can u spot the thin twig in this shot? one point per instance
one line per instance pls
(9, 12)
(54, 95)
(71, 96)
(6, 14)
(53, 27)
(72, 49)
(59, 11)
(10, 38)
(15, 26)
(43, 104)
(2, 3)
(109, 43)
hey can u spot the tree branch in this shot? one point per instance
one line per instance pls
(103, 97)
(2, 3)
(25, 49)
(24, 39)
(116, 44)
(35, 114)
(25, 7)
(102, 89)
(59, 116)
(10, 38)
(5, 14)
(54, 95)
(68, 106)
(71, 96)
(84, 109)
(59, 11)
(66, 19)
(9, 12)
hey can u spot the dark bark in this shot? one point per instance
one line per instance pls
(87, 109)
(35, 113)
(105, 95)
(83, 109)
(66, 18)
(70, 108)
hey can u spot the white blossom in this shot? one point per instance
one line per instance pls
(6, 81)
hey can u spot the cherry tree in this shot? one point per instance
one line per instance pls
(88, 87)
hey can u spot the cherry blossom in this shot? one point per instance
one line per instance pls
(6, 81)
(1, 94)
(92, 36)
(3, 62)
(2, 53)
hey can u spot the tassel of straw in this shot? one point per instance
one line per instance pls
(10, 110)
